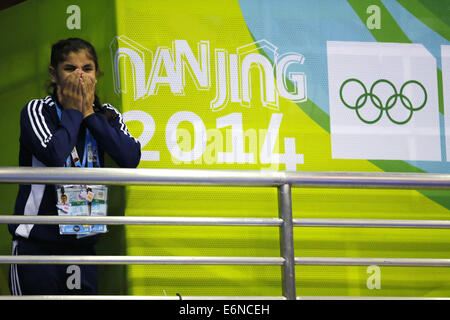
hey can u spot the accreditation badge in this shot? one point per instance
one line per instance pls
(81, 200)
(97, 195)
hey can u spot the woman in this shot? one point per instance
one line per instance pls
(55, 132)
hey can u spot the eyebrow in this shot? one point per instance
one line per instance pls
(67, 64)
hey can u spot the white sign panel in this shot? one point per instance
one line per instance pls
(445, 53)
(383, 101)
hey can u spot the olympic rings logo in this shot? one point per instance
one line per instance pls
(389, 103)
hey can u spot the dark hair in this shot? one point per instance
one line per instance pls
(62, 48)
(60, 51)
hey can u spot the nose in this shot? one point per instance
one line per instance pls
(81, 73)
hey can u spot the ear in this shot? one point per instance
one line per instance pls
(52, 72)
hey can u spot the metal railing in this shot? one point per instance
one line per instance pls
(283, 181)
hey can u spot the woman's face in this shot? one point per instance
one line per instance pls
(76, 61)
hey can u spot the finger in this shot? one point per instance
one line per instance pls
(71, 80)
(89, 81)
(90, 85)
(80, 86)
(73, 84)
(84, 88)
(72, 77)
(67, 86)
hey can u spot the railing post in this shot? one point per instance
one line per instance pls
(287, 241)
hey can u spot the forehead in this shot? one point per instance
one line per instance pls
(80, 57)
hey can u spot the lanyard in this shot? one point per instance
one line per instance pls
(90, 154)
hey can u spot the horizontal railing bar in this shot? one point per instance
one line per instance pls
(215, 221)
(121, 220)
(154, 260)
(372, 223)
(121, 176)
(393, 262)
(178, 260)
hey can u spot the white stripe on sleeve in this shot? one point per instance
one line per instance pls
(31, 105)
(38, 108)
(123, 126)
(38, 122)
(44, 124)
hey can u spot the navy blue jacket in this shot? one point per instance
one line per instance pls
(47, 141)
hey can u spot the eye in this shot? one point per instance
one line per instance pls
(69, 68)
(88, 68)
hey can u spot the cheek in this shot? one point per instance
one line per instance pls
(61, 77)
(91, 75)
